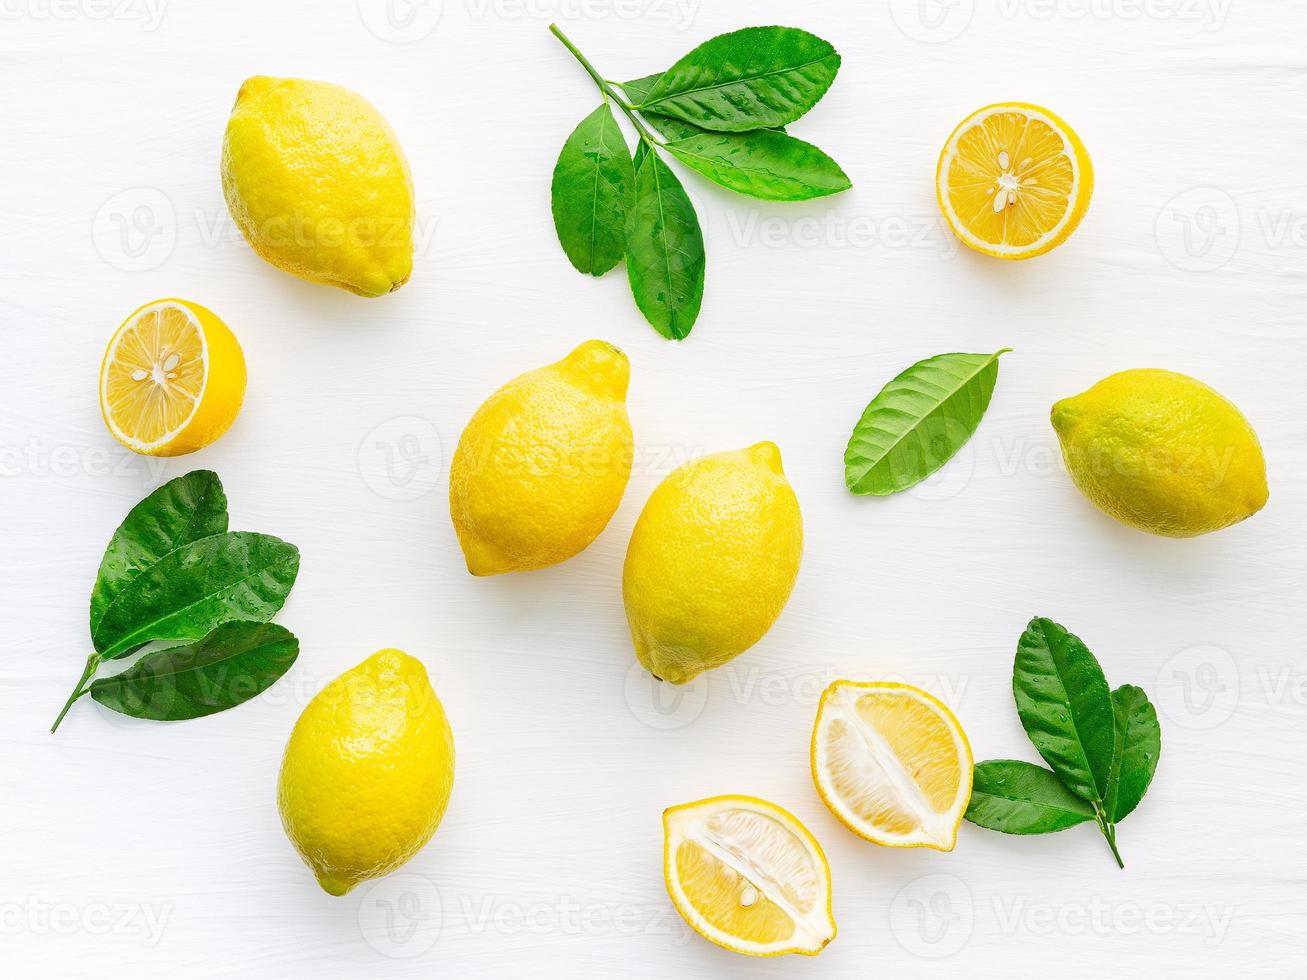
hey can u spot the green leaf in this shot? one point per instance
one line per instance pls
(753, 78)
(1138, 747)
(1065, 707)
(919, 421)
(664, 251)
(764, 164)
(592, 191)
(239, 575)
(179, 512)
(637, 89)
(233, 663)
(665, 126)
(1016, 797)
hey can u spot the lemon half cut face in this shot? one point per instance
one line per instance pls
(747, 875)
(1014, 180)
(892, 763)
(172, 380)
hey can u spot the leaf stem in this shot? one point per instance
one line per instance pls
(92, 662)
(605, 86)
(1108, 830)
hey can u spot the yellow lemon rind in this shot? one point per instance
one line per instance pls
(703, 583)
(275, 191)
(516, 520)
(359, 791)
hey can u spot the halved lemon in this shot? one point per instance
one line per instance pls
(1013, 180)
(172, 379)
(892, 763)
(747, 875)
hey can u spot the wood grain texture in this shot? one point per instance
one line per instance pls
(138, 849)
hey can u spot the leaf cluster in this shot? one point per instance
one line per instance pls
(173, 573)
(720, 111)
(1101, 745)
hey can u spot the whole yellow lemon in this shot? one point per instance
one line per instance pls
(316, 181)
(542, 465)
(712, 561)
(367, 772)
(1162, 452)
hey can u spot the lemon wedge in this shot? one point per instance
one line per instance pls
(172, 379)
(1013, 180)
(748, 876)
(892, 763)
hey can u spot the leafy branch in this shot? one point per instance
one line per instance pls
(609, 205)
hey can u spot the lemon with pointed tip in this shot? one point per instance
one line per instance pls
(1162, 452)
(316, 181)
(712, 560)
(747, 875)
(367, 772)
(543, 463)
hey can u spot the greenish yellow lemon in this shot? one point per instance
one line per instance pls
(1162, 452)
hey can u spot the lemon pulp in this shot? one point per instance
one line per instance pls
(892, 763)
(1014, 180)
(172, 379)
(747, 875)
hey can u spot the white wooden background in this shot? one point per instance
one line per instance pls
(134, 849)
